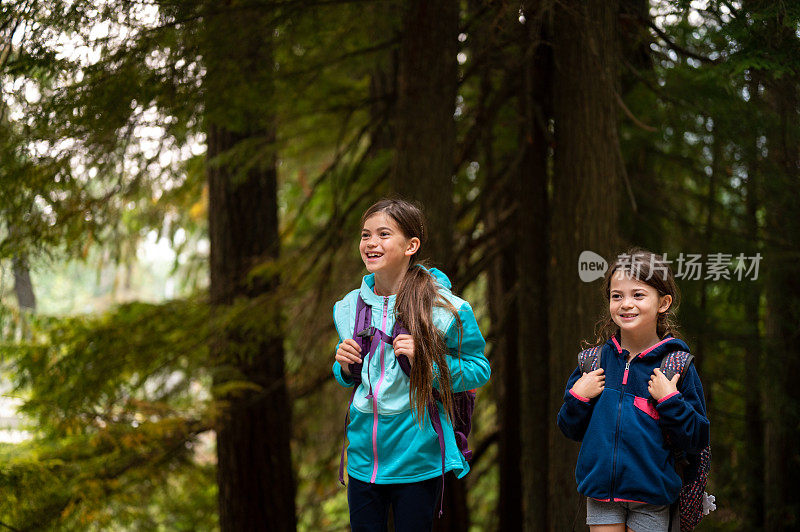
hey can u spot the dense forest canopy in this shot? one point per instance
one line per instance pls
(181, 184)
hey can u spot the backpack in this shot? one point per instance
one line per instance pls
(368, 339)
(693, 468)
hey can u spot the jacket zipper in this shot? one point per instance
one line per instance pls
(375, 398)
(616, 432)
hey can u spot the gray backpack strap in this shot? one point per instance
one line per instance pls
(589, 359)
(676, 362)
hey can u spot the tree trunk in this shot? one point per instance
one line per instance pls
(533, 256)
(23, 287)
(643, 188)
(383, 78)
(254, 472)
(782, 288)
(425, 145)
(425, 130)
(586, 183)
(503, 309)
(701, 346)
(754, 429)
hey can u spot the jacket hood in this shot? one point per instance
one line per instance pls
(667, 345)
(367, 290)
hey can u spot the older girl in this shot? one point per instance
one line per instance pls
(394, 457)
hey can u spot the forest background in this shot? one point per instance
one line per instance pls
(180, 190)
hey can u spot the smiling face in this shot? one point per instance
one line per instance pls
(383, 247)
(635, 305)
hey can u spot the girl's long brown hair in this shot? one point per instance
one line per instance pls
(416, 298)
(651, 269)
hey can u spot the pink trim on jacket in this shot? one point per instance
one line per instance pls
(667, 397)
(614, 339)
(643, 353)
(578, 397)
(628, 500)
(617, 500)
(375, 400)
(645, 406)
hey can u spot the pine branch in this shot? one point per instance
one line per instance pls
(680, 49)
(342, 58)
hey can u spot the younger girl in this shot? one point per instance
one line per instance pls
(623, 410)
(394, 456)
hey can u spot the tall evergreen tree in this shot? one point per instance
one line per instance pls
(586, 181)
(782, 288)
(425, 130)
(425, 140)
(254, 467)
(533, 254)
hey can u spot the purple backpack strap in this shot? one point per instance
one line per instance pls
(405, 364)
(363, 318)
(433, 410)
(462, 425)
(368, 338)
(363, 312)
(464, 403)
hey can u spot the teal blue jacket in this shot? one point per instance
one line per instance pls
(386, 445)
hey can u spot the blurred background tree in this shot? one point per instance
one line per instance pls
(181, 189)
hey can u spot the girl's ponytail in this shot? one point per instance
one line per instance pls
(415, 301)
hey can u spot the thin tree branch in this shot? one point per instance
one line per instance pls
(633, 118)
(680, 49)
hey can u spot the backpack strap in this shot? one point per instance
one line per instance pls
(589, 359)
(433, 410)
(676, 362)
(363, 318)
(368, 338)
(405, 364)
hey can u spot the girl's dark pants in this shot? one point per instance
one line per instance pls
(413, 505)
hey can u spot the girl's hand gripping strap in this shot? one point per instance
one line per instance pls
(676, 362)
(363, 315)
(368, 338)
(589, 359)
(405, 364)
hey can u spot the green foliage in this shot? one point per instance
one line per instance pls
(118, 406)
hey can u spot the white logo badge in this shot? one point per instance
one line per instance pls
(591, 266)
